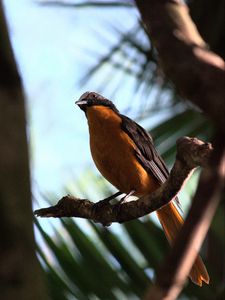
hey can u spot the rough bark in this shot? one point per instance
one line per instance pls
(20, 273)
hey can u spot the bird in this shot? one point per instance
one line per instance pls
(124, 153)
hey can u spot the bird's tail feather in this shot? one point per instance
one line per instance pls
(172, 222)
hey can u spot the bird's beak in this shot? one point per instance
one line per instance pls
(81, 102)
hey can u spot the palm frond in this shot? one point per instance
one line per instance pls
(86, 260)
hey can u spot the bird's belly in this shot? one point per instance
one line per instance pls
(115, 158)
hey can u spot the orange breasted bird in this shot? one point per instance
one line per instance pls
(125, 155)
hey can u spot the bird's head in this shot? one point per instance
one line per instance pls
(89, 99)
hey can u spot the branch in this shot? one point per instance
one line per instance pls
(199, 76)
(191, 153)
(87, 4)
(197, 73)
(177, 266)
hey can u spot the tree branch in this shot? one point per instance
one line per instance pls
(197, 73)
(191, 153)
(104, 4)
(199, 76)
(171, 276)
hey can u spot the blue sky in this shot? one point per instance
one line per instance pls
(53, 50)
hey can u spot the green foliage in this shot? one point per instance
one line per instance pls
(85, 260)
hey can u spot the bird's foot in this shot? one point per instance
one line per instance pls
(111, 197)
(105, 202)
(123, 199)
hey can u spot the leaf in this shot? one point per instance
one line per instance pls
(136, 277)
(94, 260)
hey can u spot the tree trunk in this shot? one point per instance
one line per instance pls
(20, 272)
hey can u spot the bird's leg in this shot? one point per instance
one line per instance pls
(111, 197)
(126, 197)
(105, 201)
(117, 207)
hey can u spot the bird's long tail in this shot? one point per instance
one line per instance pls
(172, 222)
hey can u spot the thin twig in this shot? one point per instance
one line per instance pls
(87, 4)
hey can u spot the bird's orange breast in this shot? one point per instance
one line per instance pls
(113, 153)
